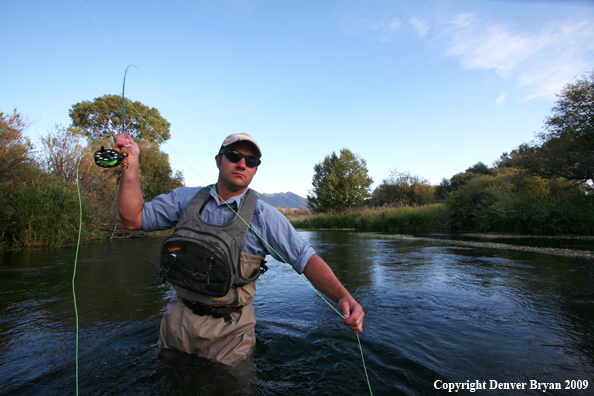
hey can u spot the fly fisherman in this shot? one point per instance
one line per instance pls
(213, 259)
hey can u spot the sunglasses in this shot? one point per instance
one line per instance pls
(235, 157)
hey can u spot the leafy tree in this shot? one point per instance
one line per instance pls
(339, 183)
(478, 169)
(509, 160)
(61, 149)
(403, 188)
(16, 159)
(564, 149)
(103, 117)
(460, 179)
(156, 175)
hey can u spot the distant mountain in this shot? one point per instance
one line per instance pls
(283, 200)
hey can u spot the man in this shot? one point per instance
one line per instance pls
(217, 328)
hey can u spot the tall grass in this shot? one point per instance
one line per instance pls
(41, 214)
(399, 219)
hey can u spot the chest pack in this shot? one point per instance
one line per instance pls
(203, 257)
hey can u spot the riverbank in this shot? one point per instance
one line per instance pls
(440, 218)
(426, 218)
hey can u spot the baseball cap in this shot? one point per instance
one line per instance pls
(241, 137)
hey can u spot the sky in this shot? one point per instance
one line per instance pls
(427, 87)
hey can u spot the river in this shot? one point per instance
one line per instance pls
(436, 315)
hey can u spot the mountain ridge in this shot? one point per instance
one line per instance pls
(283, 200)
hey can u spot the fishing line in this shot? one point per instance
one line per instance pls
(220, 198)
(104, 32)
(75, 263)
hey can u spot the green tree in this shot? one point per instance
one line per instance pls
(156, 176)
(403, 188)
(564, 149)
(16, 159)
(103, 117)
(339, 183)
(460, 179)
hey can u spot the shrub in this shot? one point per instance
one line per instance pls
(42, 214)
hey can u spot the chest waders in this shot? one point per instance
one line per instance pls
(212, 315)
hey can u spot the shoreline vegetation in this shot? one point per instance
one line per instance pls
(392, 222)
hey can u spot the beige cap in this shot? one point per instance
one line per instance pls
(241, 137)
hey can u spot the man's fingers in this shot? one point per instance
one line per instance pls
(353, 315)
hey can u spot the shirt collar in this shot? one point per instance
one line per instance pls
(235, 199)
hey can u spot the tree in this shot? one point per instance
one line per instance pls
(156, 176)
(403, 188)
(61, 149)
(565, 148)
(339, 183)
(460, 179)
(16, 162)
(103, 117)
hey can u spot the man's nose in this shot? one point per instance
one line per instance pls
(241, 163)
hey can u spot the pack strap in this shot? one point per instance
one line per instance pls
(215, 312)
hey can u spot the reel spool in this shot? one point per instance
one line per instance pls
(108, 158)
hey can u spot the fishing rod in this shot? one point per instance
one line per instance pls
(110, 158)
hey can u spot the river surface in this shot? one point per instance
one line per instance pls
(435, 315)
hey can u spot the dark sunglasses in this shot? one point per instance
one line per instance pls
(235, 157)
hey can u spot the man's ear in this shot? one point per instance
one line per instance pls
(218, 160)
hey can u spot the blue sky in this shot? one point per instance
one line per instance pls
(427, 87)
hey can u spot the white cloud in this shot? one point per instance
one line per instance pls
(539, 59)
(420, 26)
(388, 27)
(501, 99)
(542, 61)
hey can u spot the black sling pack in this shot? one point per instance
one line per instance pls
(203, 257)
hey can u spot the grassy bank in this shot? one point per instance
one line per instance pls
(401, 219)
(493, 211)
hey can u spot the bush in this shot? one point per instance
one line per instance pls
(467, 202)
(562, 212)
(41, 214)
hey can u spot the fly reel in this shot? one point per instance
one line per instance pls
(108, 158)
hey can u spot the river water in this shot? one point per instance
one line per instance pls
(435, 315)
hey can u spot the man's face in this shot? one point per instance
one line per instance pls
(236, 177)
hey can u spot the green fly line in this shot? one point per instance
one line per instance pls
(75, 263)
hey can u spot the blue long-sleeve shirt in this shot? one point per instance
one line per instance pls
(276, 234)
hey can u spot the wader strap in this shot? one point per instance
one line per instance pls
(215, 312)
